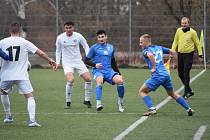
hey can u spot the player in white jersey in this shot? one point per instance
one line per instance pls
(67, 49)
(15, 71)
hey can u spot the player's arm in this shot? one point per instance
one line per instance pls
(84, 44)
(114, 66)
(4, 55)
(198, 46)
(152, 59)
(175, 42)
(88, 62)
(58, 53)
(88, 59)
(46, 57)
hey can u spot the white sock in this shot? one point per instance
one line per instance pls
(6, 104)
(98, 102)
(87, 91)
(69, 87)
(121, 100)
(31, 108)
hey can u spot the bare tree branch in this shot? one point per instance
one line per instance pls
(172, 11)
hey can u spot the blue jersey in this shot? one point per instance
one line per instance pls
(161, 75)
(102, 53)
(157, 52)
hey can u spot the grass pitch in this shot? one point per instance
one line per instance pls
(82, 123)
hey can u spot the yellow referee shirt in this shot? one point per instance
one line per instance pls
(186, 42)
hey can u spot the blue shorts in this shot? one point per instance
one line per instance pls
(156, 80)
(106, 74)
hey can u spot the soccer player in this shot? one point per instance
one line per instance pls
(153, 56)
(185, 40)
(14, 71)
(3, 55)
(101, 58)
(67, 48)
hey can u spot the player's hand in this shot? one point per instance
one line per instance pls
(98, 65)
(153, 71)
(52, 63)
(56, 67)
(200, 59)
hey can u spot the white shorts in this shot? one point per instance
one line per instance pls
(77, 66)
(24, 86)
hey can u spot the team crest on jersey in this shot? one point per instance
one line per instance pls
(74, 40)
(105, 52)
(64, 44)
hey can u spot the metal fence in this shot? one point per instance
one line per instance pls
(124, 21)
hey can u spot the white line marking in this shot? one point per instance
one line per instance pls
(76, 113)
(198, 135)
(143, 118)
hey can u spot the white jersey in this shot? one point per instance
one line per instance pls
(17, 48)
(67, 48)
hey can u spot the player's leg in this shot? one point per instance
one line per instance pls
(69, 88)
(26, 89)
(117, 79)
(188, 59)
(181, 69)
(143, 92)
(6, 88)
(83, 71)
(180, 100)
(99, 82)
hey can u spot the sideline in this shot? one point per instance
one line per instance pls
(198, 135)
(143, 118)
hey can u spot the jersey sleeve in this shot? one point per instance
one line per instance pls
(113, 53)
(31, 47)
(145, 53)
(4, 55)
(166, 50)
(175, 42)
(91, 52)
(197, 43)
(58, 51)
(84, 44)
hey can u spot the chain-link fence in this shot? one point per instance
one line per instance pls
(124, 21)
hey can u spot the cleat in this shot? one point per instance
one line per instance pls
(188, 95)
(99, 107)
(87, 103)
(190, 112)
(68, 104)
(121, 105)
(150, 112)
(8, 120)
(33, 124)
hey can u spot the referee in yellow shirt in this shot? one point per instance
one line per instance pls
(184, 42)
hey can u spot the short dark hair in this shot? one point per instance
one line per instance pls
(68, 23)
(99, 32)
(15, 27)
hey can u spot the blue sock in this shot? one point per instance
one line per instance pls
(148, 101)
(183, 103)
(120, 90)
(98, 91)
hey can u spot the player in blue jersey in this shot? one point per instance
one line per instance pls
(153, 56)
(101, 58)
